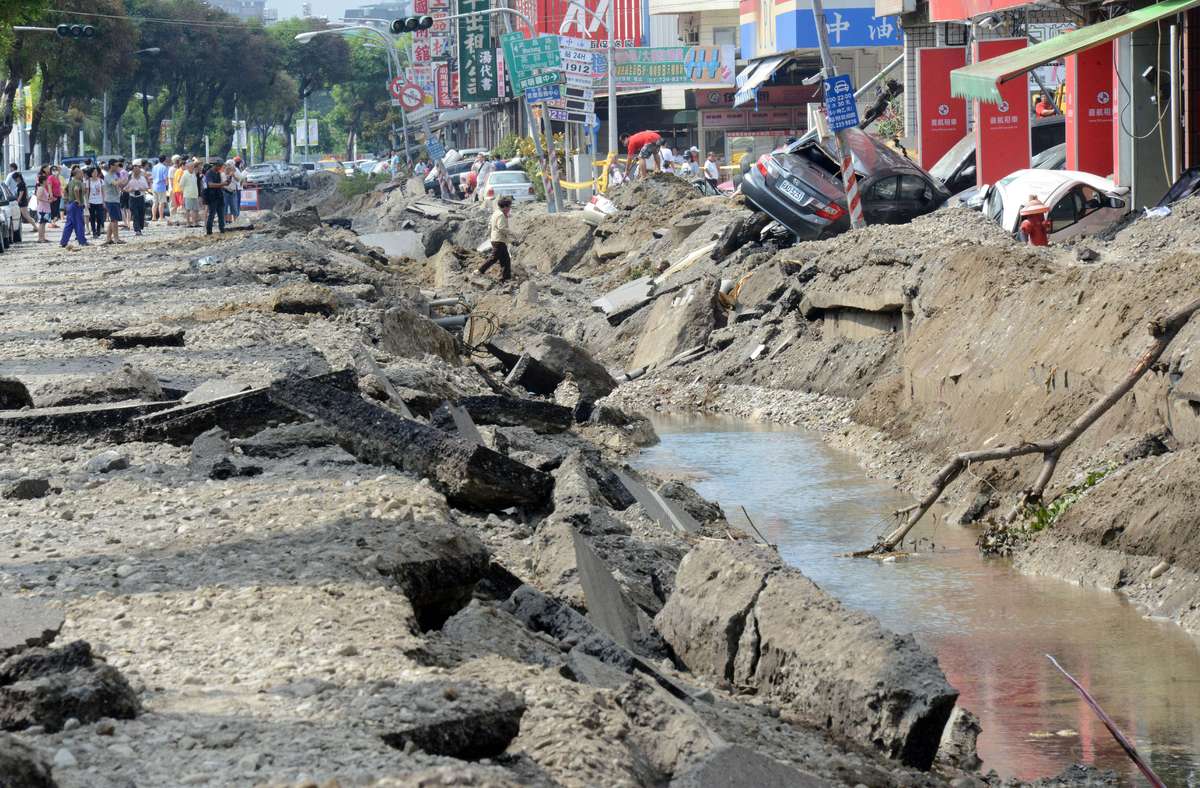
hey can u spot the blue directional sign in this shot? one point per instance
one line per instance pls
(436, 149)
(542, 93)
(840, 106)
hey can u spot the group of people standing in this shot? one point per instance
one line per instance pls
(107, 197)
(647, 152)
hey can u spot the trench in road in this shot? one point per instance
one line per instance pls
(989, 625)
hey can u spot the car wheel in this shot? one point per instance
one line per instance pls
(17, 234)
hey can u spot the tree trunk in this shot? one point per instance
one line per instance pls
(8, 98)
(287, 135)
(1162, 329)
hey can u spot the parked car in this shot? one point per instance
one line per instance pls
(365, 166)
(269, 175)
(956, 168)
(455, 171)
(506, 183)
(800, 186)
(1079, 202)
(1053, 158)
(10, 218)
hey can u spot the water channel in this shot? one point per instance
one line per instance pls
(989, 625)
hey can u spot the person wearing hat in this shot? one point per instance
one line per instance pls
(1034, 226)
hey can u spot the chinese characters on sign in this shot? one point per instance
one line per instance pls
(840, 104)
(691, 65)
(941, 117)
(447, 86)
(531, 62)
(476, 57)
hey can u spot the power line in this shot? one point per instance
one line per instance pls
(155, 20)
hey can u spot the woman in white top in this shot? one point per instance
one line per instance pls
(95, 200)
(136, 187)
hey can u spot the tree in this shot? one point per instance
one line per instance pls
(272, 107)
(18, 64)
(362, 100)
(316, 65)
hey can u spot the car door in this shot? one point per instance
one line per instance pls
(880, 200)
(915, 197)
(1065, 212)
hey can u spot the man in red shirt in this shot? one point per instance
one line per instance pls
(636, 142)
(1044, 107)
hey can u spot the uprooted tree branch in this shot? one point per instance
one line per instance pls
(1163, 330)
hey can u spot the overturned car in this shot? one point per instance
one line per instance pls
(800, 186)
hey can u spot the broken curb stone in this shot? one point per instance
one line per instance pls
(304, 298)
(107, 462)
(151, 335)
(127, 383)
(26, 489)
(406, 334)
(47, 687)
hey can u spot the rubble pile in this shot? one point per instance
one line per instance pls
(274, 514)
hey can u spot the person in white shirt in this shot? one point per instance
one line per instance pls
(712, 173)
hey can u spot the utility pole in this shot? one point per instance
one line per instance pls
(610, 22)
(849, 181)
(306, 128)
(104, 151)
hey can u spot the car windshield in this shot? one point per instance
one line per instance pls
(507, 177)
(945, 167)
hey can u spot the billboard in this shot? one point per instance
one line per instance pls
(1001, 130)
(1089, 110)
(476, 56)
(693, 66)
(585, 19)
(941, 118)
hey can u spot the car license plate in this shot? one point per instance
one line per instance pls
(792, 192)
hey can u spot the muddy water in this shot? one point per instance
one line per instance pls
(989, 625)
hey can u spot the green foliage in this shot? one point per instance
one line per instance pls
(891, 123)
(1040, 516)
(359, 183)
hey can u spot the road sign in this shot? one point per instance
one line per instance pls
(436, 149)
(531, 62)
(411, 96)
(577, 56)
(542, 93)
(840, 105)
(570, 116)
(583, 94)
(395, 85)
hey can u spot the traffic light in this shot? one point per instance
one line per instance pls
(411, 23)
(76, 31)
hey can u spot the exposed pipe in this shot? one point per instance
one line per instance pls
(1173, 106)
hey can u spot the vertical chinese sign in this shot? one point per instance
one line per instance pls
(420, 48)
(941, 118)
(1001, 130)
(476, 56)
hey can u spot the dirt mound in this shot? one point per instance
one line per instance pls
(657, 190)
(1146, 235)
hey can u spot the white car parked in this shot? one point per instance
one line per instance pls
(506, 183)
(10, 218)
(1080, 203)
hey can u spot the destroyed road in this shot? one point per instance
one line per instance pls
(284, 508)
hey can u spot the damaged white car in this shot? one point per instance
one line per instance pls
(1080, 203)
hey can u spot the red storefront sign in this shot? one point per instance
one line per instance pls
(1001, 130)
(1090, 107)
(723, 119)
(771, 118)
(941, 118)
(447, 87)
(585, 19)
(960, 10)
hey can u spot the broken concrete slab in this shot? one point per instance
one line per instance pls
(607, 605)
(540, 416)
(495, 631)
(464, 720)
(543, 613)
(406, 334)
(739, 614)
(70, 424)
(14, 394)
(565, 358)
(662, 510)
(435, 565)
(22, 766)
(679, 321)
(25, 623)
(586, 669)
(47, 687)
(299, 220)
(90, 331)
(286, 439)
(303, 298)
(26, 489)
(106, 462)
(119, 385)
(524, 371)
(238, 414)
(631, 295)
(735, 766)
(370, 373)
(214, 389)
(150, 335)
(469, 476)
(397, 243)
(212, 457)
(815, 302)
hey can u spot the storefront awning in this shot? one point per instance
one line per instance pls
(982, 80)
(756, 74)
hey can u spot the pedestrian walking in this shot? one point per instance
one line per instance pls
(214, 194)
(231, 192)
(158, 179)
(178, 171)
(136, 187)
(189, 187)
(95, 200)
(123, 174)
(500, 236)
(56, 191)
(43, 197)
(112, 202)
(75, 194)
(712, 172)
(22, 190)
